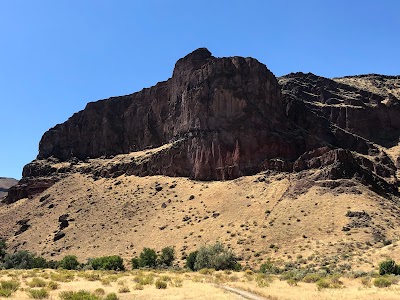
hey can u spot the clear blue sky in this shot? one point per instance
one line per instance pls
(57, 55)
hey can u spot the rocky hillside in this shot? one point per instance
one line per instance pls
(5, 184)
(222, 118)
(223, 145)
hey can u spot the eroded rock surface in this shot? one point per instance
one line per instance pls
(222, 118)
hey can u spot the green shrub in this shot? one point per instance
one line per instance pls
(114, 262)
(312, 277)
(293, 274)
(388, 267)
(69, 262)
(138, 286)
(144, 280)
(135, 262)
(25, 260)
(3, 247)
(323, 284)
(177, 282)
(160, 284)
(191, 260)
(5, 293)
(7, 288)
(37, 282)
(148, 258)
(382, 282)
(111, 296)
(269, 267)
(123, 289)
(62, 277)
(167, 256)
(19, 260)
(292, 282)
(10, 285)
(206, 271)
(38, 294)
(99, 292)
(80, 295)
(215, 257)
(52, 285)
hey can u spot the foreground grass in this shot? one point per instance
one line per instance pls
(205, 284)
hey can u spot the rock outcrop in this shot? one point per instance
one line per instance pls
(5, 184)
(366, 110)
(221, 118)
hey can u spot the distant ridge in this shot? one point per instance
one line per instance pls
(5, 184)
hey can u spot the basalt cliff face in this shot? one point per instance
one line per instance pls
(222, 118)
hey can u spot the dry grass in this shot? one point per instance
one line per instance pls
(192, 285)
(120, 216)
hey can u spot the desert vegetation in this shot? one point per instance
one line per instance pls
(210, 272)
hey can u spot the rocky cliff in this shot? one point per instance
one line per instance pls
(222, 118)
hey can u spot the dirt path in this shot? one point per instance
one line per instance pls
(242, 293)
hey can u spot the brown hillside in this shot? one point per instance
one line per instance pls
(301, 169)
(264, 216)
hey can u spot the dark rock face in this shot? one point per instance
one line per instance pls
(227, 112)
(372, 115)
(221, 118)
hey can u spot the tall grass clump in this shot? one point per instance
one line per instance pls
(38, 294)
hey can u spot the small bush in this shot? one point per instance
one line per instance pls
(10, 285)
(62, 277)
(144, 280)
(312, 277)
(366, 281)
(269, 267)
(91, 276)
(292, 282)
(138, 286)
(160, 284)
(99, 292)
(123, 289)
(80, 295)
(7, 288)
(111, 296)
(177, 282)
(37, 282)
(5, 293)
(206, 271)
(388, 267)
(262, 279)
(52, 285)
(322, 284)
(382, 282)
(38, 294)
(69, 262)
